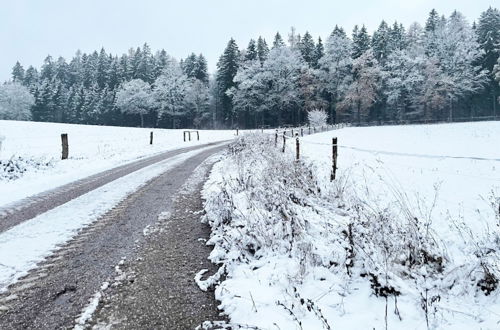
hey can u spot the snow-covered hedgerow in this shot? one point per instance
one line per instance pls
(300, 253)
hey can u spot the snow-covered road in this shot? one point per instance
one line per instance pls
(97, 228)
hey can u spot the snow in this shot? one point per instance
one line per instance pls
(89, 310)
(92, 149)
(28, 243)
(282, 233)
(461, 161)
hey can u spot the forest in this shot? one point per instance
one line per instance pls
(445, 69)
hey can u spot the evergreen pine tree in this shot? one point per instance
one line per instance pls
(318, 52)
(251, 53)
(307, 49)
(262, 49)
(227, 67)
(278, 41)
(18, 73)
(202, 69)
(361, 41)
(380, 42)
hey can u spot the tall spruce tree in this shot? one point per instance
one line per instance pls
(227, 67)
(361, 41)
(262, 49)
(251, 53)
(307, 49)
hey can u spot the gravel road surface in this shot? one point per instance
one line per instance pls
(141, 257)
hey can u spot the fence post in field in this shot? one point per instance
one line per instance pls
(189, 135)
(184, 136)
(301, 131)
(292, 133)
(65, 147)
(198, 135)
(297, 147)
(236, 132)
(284, 141)
(276, 139)
(151, 138)
(334, 159)
(309, 130)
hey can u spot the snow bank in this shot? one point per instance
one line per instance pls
(358, 253)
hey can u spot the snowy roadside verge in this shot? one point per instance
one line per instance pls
(28, 243)
(30, 155)
(299, 253)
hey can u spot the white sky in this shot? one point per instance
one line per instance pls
(32, 29)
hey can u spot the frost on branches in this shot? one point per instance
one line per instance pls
(300, 253)
(317, 117)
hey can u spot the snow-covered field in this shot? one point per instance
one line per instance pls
(407, 237)
(92, 149)
(457, 164)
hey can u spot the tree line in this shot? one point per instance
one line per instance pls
(442, 70)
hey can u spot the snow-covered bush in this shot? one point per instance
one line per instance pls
(317, 117)
(293, 249)
(16, 167)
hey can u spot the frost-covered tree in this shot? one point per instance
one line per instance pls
(458, 54)
(281, 73)
(134, 97)
(335, 67)
(169, 92)
(317, 117)
(249, 93)
(403, 85)
(197, 101)
(15, 102)
(362, 93)
(380, 42)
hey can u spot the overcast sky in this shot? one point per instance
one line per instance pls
(32, 29)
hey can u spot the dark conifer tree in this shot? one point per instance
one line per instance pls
(18, 73)
(278, 41)
(251, 53)
(262, 49)
(318, 52)
(307, 49)
(361, 41)
(227, 67)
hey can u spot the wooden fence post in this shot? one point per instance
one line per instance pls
(151, 138)
(301, 131)
(297, 147)
(276, 139)
(334, 159)
(65, 147)
(309, 130)
(236, 132)
(198, 135)
(189, 135)
(284, 141)
(184, 136)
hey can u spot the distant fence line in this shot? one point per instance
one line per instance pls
(425, 121)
